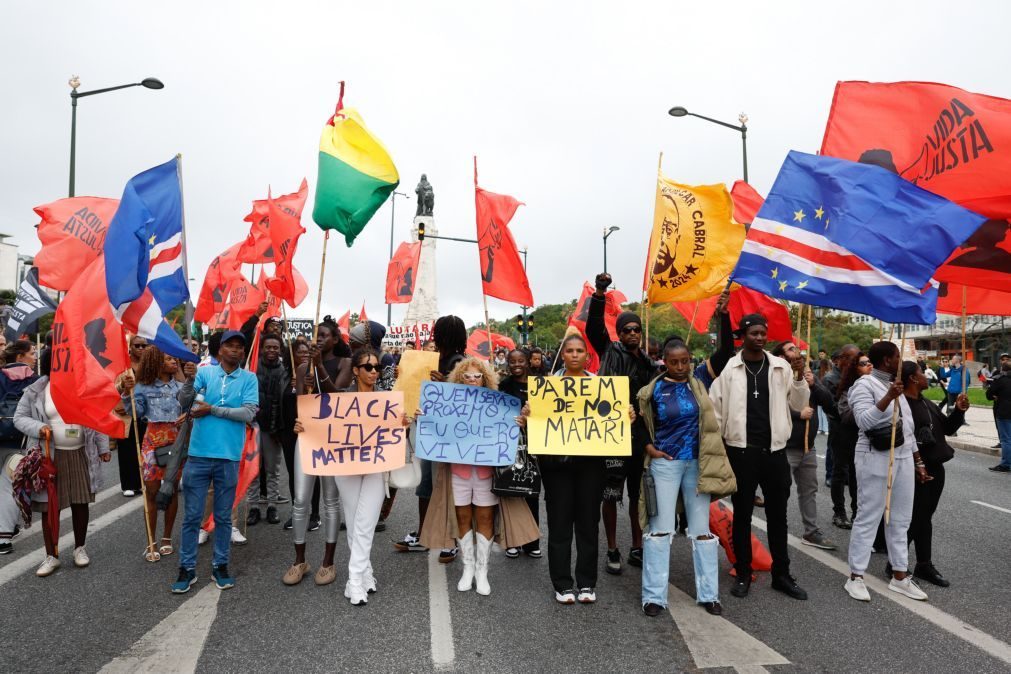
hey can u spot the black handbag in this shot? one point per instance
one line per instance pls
(522, 478)
(881, 438)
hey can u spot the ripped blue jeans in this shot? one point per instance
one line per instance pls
(672, 477)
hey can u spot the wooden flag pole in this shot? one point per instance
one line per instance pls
(487, 329)
(965, 369)
(143, 484)
(291, 347)
(807, 422)
(891, 450)
(319, 292)
(691, 325)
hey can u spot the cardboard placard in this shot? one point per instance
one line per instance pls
(467, 424)
(579, 416)
(415, 369)
(352, 433)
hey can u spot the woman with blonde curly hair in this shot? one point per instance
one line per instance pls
(468, 489)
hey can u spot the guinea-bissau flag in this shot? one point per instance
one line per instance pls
(947, 140)
(356, 174)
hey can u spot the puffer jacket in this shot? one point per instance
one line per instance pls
(716, 477)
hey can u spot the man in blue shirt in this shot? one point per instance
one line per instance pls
(224, 398)
(955, 374)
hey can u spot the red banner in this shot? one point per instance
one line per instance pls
(402, 273)
(89, 352)
(977, 300)
(502, 273)
(614, 299)
(72, 233)
(258, 248)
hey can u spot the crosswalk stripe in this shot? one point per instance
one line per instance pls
(443, 652)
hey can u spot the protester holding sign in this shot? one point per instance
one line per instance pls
(462, 500)
(684, 455)
(516, 385)
(362, 495)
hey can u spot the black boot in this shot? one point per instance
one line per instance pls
(272, 517)
(253, 517)
(788, 585)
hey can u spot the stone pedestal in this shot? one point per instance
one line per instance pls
(424, 306)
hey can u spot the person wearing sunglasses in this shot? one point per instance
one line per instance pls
(623, 358)
(462, 501)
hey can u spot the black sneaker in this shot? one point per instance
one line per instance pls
(272, 517)
(818, 540)
(741, 587)
(6, 547)
(380, 526)
(788, 586)
(288, 524)
(652, 610)
(447, 555)
(613, 565)
(713, 607)
(635, 557)
(841, 521)
(253, 518)
(313, 522)
(928, 573)
(1001, 468)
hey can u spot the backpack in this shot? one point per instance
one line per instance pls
(10, 394)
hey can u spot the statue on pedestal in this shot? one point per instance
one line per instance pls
(426, 196)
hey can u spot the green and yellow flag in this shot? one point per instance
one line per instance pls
(695, 242)
(356, 174)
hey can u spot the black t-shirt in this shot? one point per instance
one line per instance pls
(515, 388)
(759, 428)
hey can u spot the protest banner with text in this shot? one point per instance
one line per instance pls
(416, 368)
(579, 416)
(351, 433)
(467, 424)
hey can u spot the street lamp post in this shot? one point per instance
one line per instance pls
(75, 82)
(393, 214)
(526, 328)
(608, 231)
(679, 111)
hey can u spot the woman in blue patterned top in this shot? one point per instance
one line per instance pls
(685, 454)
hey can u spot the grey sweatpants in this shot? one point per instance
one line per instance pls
(270, 450)
(9, 513)
(804, 468)
(872, 476)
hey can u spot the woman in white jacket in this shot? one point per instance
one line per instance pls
(872, 399)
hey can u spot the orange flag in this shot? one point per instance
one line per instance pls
(258, 248)
(72, 233)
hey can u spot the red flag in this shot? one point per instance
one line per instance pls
(244, 299)
(977, 300)
(952, 142)
(612, 308)
(72, 233)
(89, 352)
(402, 273)
(363, 317)
(258, 248)
(284, 233)
(744, 301)
(746, 202)
(223, 270)
(344, 323)
(249, 470)
(697, 313)
(477, 343)
(502, 272)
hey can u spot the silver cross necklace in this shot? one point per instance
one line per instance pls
(755, 374)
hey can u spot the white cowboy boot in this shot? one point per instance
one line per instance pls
(466, 545)
(481, 570)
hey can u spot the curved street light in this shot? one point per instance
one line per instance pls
(608, 231)
(681, 111)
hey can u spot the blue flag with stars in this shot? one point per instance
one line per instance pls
(852, 236)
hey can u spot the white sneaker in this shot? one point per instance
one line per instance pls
(129, 493)
(81, 558)
(355, 592)
(369, 581)
(565, 597)
(237, 537)
(907, 587)
(203, 536)
(47, 567)
(586, 595)
(857, 589)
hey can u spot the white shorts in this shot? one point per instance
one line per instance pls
(473, 491)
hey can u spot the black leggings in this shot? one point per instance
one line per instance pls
(925, 499)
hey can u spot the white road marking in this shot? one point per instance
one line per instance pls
(174, 644)
(36, 529)
(716, 642)
(947, 622)
(987, 505)
(443, 652)
(11, 571)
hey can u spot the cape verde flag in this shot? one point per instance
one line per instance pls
(839, 234)
(144, 257)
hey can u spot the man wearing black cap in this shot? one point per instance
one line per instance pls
(222, 399)
(623, 358)
(752, 399)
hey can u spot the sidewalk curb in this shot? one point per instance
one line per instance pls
(972, 447)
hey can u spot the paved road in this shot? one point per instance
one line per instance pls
(119, 616)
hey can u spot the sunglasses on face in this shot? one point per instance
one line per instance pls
(629, 329)
(473, 376)
(141, 346)
(864, 363)
(368, 367)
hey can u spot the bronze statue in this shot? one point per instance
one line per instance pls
(426, 196)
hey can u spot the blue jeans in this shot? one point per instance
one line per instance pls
(1004, 433)
(672, 477)
(198, 475)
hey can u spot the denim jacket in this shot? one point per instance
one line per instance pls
(157, 402)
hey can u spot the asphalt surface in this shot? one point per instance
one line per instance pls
(81, 620)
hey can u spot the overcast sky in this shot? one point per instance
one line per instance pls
(564, 103)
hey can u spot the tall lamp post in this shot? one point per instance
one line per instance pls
(526, 324)
(75, 82)
(608, 231)
(679, 111)
(393, 214)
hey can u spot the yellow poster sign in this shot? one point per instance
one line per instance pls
(415, 369)
(695, 242)
(579, 416)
